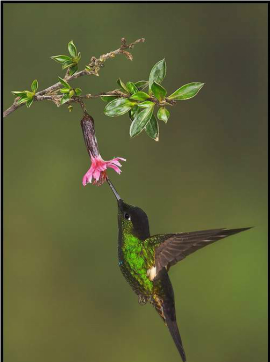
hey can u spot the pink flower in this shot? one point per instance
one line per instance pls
(98, 168)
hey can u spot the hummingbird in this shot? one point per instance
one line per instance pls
(145, 260)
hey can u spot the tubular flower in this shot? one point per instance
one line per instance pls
(97, 171)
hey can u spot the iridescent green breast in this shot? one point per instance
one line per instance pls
(134, 262)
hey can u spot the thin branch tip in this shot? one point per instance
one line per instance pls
(95, 64)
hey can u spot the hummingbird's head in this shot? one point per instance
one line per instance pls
(131, 219)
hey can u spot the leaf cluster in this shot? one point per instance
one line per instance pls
(26, 96)
(140, 103)
(67, 91)
(70, 62)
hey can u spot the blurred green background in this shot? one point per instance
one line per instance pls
(65, 299)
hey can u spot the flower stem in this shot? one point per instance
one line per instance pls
(88, 128)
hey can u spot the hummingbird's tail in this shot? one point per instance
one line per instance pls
(163, 301)
(173, 328)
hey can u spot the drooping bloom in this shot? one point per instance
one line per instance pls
(97, 171)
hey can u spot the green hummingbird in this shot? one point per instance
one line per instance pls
(145, 260)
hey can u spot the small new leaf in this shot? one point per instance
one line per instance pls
(187, 91)
(67, 64)
(29, 102)
(157, 73)
(78, 91)
(152, 128)
(131, 87)
(64, 83)
(64, 90)
(122, 85)
(142, 117)
(118, 107)
(22, 100)
(141, 84)
(30, 95)
(146, 104)
(132, 112)
(61, 58)
(19, 93)
(158, 91)
(73, 69)
(163, 114)
(34, 86)
(140, 96)
(72, 49)
(64, 99)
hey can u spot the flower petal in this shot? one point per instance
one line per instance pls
(97, 171)
(102, 167)
(114, 162)
(96, 174)
(87, 178)
(115, 168)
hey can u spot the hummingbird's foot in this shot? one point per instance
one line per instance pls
(142, 299)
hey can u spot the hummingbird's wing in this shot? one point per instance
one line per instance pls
(171, 248)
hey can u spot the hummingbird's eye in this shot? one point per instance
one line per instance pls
(127, 216)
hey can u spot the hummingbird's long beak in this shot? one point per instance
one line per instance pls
(113, 190)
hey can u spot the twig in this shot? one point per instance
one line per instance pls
(95, 65)
(56, 98)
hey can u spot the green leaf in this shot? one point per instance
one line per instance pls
(132, 112)
(108, 98)
(157, 73)
(64, 90)
(78, 91)
(19, 94)
(163, 114)
(146, 104)
(72, 49)
(29, 102)
(64, 99)
(30, 95)
(61, 58)
(118, 107)
(68, 64)
(34, 86)
(131, 87)
(64, 83)
(187, 91)
(141, 119)
(140, 96)
(88, 68)
(22, 100)
(71, 93)
(152, 128)
(122, 85)
(73, 69)
(141, 84)
(158, 91)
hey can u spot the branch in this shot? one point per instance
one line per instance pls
(95, 65)
(56, 98)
